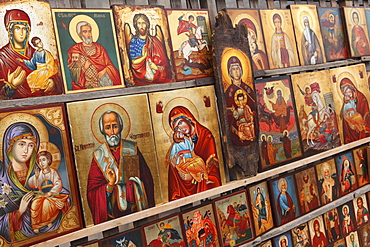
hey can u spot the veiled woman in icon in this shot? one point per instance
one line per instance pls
(20, 145)
(181, 184)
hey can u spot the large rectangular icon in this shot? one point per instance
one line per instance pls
(39, 196)
(114, 155)
(88, 49)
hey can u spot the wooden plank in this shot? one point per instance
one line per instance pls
(231, 4)
(97, 4)
(218, 191)
(220, 4)
(117, 2)
(270, 4)
(212, 9)
(98, 94)
(165, 3)
(193, 4)
(283, 4)
(75, 4)
(246, 4)
(322, 3)
(141, 2)
(297, 69)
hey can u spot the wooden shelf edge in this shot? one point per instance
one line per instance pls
(72, 97)
(203, 195)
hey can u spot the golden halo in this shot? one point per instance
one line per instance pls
(26, 118)
(263, 135)
(246, 67)
(253, 20)
(73, 25)
(301, 22)
(286, 131)
(281, 180)
(282, 15)
(179, 101)
(341, 76)
(236, 97)
(278, 85)
(53, 150)
(94, 123)
(345, 206)
(270, 137)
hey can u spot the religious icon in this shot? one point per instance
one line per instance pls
(164, 232)
(308, 34)
(261, 208)
(278, 135)
(346, 218)
(279, 38)
(346, 173)
(283, 240)
(308, 194)
(328, 181)
(187, 142)
(234, 219)
(114, 156)
(200, 228)
(361, 210)
(301, 236)
(236, 97)
(352, 240)
(360, 156)
(88, 49)
(317, 114)
(332, 31)
(351, 94)
(284, 199)
(39, 197)
(332, 225)
(130, 238)
(364, 235)
(266, 244)
(357, 31)
(190, 33)
(340, 243)
(251, 19)
(143, 40)
(29, 62)
(317, 232)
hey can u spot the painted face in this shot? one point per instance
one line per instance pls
(348, 94)
(39, 43)
(19, 33)
(317, 227)
(142, 26)
(110, 124)
(327, 173)
(277, 23)
(355, 18)
(345, 211)
(283, 186)
(184, 127)
(306, 22)
(43, 162)
(235, 71)
(359, 203)
(86, 32)
(22, 150)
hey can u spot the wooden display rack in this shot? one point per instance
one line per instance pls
(213, 6)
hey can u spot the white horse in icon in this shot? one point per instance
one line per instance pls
(186, 49)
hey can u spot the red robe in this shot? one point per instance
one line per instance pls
(100, 60)
(319, 241)
(360, 47)
(205, 147)
(97, 194)
(157, 54)
(9, 63)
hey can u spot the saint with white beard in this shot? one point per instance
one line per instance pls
(310, 46)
